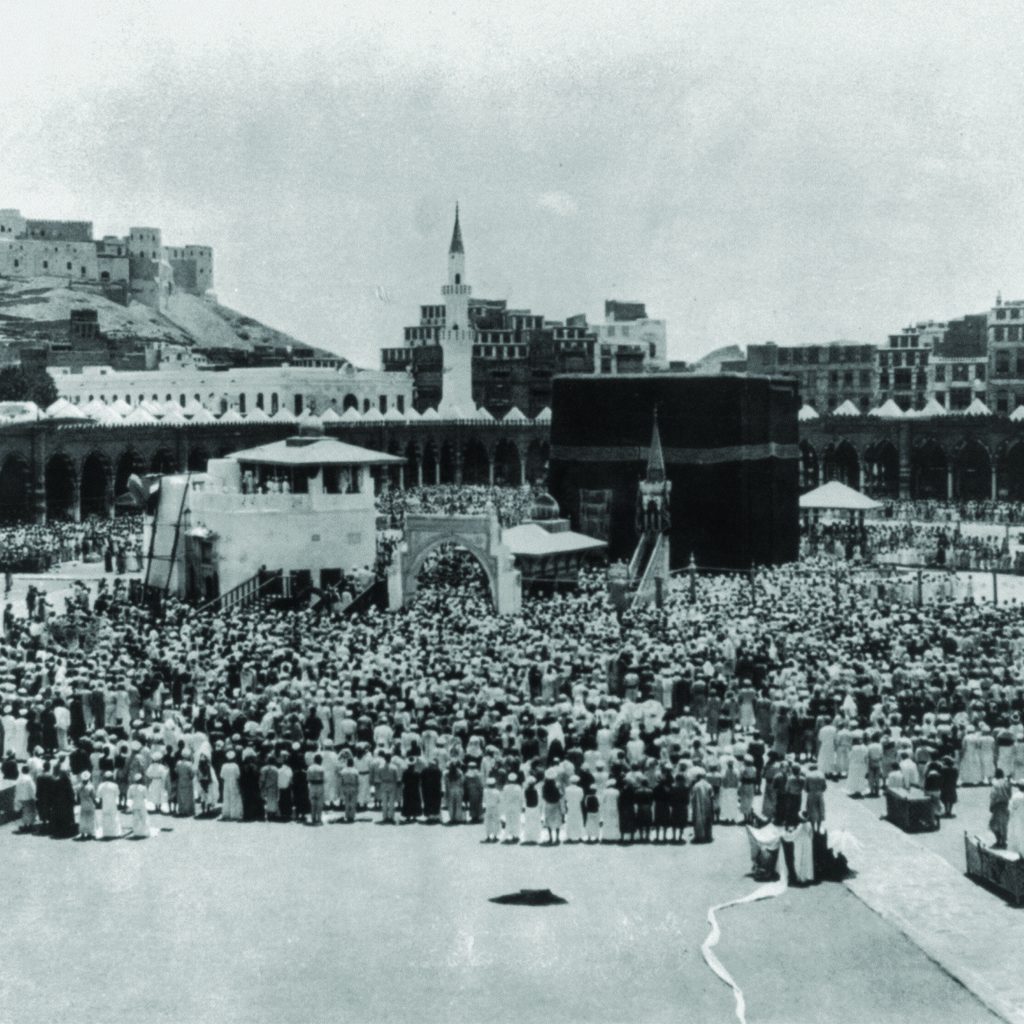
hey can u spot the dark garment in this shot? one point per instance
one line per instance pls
(300, 790)
(430, 787)
(948, 784)
(249, 784)
(473, 794)
(62, 808)
(44, 797)
(644, 801)
(679, 804)
(412, 806)
(662, 805)
(48, 723)
(627, 812)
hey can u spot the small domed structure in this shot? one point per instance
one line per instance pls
(544, 508)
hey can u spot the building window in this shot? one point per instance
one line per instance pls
(940, 373)
(46, 264)
(382, 403)
(1002, 363)
(999, 334)
(273, 403)
(69, 266)
(400, 402)
(241, 403)
(259, 400)
(979, 372)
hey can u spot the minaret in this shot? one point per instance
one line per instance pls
(458, 333)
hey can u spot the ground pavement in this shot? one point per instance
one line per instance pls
(917, 883)
(230, 922)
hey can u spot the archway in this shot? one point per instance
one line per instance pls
(480, 535)
(507, 464)
(96, 490)
(127, 464)
(972, 472)
(808, 467)
(447, 463)
(163, 461)
(61, 488)
(475, 464)
(535, 463)
(841, 463)
(928, 466)
(1011, 473)
(412, 464)
(431, 466)
(882, 470)
(198, 458)
(350, 402)
(15, 490)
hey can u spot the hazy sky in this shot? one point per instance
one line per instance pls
(789, 171)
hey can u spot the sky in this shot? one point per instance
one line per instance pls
(799, 172)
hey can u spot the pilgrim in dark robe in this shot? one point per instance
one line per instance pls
(412, 805)
(252, 803)
(185, 783)
(430, 787)
(62, 807)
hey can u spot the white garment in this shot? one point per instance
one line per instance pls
(511, 808)
(108, 796)
(857, 779)
(573, 813)
(1015, 830)
(610, 814)
(803, 853)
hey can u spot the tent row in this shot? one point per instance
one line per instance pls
(889, 410)
(147, 413)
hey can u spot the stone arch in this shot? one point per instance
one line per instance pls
(475, 463)
(61, 487)
(350, 402)
(128, 462)
(536, 463)
(97, 488)
(972, 471)
(1011, 472)
(15, 489)
(809, 469)
(431, 463)
(882, 470)
(480, 535)
(928, 470)
(841, 462)
(446, 461)
(163, 461)
(198, 457)
(508, 464)
(413, 465)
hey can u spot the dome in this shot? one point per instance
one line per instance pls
(545, 507)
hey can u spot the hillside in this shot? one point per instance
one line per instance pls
(38, 310)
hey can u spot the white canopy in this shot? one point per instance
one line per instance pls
(847, 408)
(837, 496)
(431, 414)
(806, 413)
(373, 415)
(203, 415)
(231, 416)
(888, 410)
(153, 408)
(933, 407)
(120, 406)
(351, 415)
(977, 408)
(1018, 414)
(283, 416)
(329, 415)
(514, 416)
(394, 416)
(257, 415)
(139, 417)
(62, 409)
(544, 416)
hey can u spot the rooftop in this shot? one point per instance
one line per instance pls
(314, 451)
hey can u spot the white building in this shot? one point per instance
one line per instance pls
(629, 334)
(296, 388)
(458, 334)
(303, 506)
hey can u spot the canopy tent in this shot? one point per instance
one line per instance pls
(837, 497)
(888, 410)
(933, 408)
(806, 413)
(977, 408)
(1018, 414)
(846, 409)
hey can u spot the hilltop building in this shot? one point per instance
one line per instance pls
(473, 352)
(136, 267)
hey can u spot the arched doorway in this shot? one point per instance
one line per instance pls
(972, 472)
(350, 402)
(842, 463)
(882, 470)
(163, 461)
(15, 490)
(447, 463)
(431, 466)
(475, 464)
(536, 463)
(412, 464)
(507, 464)
(1011, 473)
(127, 464)
(96, 488)
(61, 488)
(198, 458)
(928, 471)
(479, 535)
(808, 467)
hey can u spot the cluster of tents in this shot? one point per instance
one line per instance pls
(889, 410)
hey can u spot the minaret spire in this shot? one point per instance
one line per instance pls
(655, 457)
(456, 245)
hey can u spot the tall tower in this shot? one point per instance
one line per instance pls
(458, 333)
(649, 568)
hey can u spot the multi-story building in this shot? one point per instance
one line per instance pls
(903, 366)
(138, 266)
(957, 369)
(507, 357)
(829, 374)
(1005, 337)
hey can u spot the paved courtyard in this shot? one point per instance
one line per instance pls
(277, 923)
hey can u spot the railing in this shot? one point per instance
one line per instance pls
(375, 595)
(247, 592)
(648, 583)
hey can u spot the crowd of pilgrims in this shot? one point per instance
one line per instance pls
(567, 723)
(33, 548)
(933, 511)
(931, 545)
(512, 504)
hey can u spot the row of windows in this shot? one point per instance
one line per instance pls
(961, 372)
(1014, 312)
(1004, 364)
(1006, 333)
(903, 341)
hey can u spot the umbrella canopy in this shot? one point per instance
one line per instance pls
(514, 416)
(120, 406)
(1018, 414)
(62, 409)
(933, 408)
(838, 497)
(329, 415)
